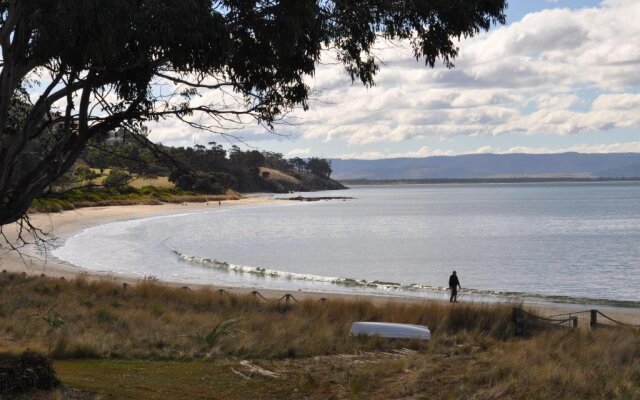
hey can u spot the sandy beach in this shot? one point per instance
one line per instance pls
(67, 223)
(34, 262)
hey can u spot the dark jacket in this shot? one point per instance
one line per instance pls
(453, 281)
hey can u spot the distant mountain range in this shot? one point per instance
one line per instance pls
(475, 166)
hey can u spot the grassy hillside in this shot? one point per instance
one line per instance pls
(157, 190)
(138, 182)
(299, 182)
(153, 341)
(212, 169)
(120, 196)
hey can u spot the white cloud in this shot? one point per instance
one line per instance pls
(622, 102)
(299, 152)
(424, 151)
(525, 78)
(485, 150)
(630, 147)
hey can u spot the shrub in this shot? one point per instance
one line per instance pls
(117, 177)
(104, 316)
(185, 182)
(202, 182)
(27, 372)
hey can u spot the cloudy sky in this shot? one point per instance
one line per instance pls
(562, 75)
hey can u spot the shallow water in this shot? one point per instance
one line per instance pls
(536, 240)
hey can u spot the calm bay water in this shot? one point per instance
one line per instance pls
(579, 241)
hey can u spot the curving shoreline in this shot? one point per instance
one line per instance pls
(68, 223)
(71, 222)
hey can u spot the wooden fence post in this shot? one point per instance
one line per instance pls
(517, 320)
(594, 319)
(574, 321)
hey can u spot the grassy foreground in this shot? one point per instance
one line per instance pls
(153, 341)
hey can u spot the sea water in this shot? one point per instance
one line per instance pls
(575, 242)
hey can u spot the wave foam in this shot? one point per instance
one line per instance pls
(491, 295)
(276, 274)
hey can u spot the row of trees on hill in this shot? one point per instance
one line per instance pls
(207, 169)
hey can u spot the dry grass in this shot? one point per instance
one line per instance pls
(203, 198)
(274, 174)
(159, 182)
(587, 365)
(601, 364)
(138, 182)
(153, 321)
(150, 340)
(563, 365)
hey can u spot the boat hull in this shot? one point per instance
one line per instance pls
(390, 330)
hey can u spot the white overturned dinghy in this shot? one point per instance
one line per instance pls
(390, 330)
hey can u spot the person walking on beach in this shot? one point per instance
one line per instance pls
(454, 284)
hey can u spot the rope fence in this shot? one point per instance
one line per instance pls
(536, 317)
(255, 293)
(523, 320)
(571, 314)
(550, 320)
(613, 320)
(287, 297)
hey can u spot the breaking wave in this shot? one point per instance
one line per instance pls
(276, 274)
(418, 290)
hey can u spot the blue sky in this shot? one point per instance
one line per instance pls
(519, 8)
(560, 76)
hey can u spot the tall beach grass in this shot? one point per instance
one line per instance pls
(149, 320)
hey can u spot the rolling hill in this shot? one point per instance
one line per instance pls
(474, 166)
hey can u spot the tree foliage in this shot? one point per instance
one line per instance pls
(76, 69)
(210, 170)
(320, 167)
(117, 177)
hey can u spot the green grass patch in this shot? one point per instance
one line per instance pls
(125, 379)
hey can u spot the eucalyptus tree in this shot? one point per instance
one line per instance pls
(320, 167)
(76, 69)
